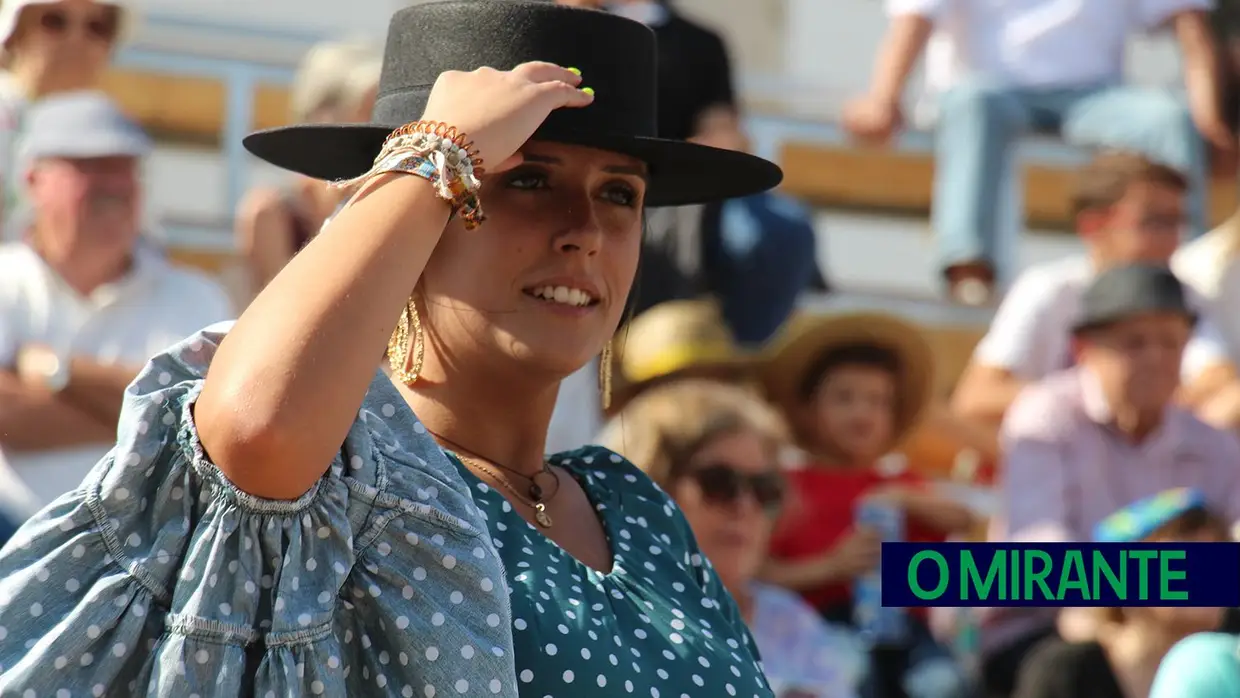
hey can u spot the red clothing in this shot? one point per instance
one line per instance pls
(821, 512)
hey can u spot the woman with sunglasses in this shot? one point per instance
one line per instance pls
(715, 449)
(46, 47)
(298, 523)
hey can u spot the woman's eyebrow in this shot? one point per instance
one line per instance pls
(639, 171)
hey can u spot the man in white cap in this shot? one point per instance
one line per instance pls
(82, 305)
(48, 47)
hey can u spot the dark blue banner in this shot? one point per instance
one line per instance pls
(1061, 574)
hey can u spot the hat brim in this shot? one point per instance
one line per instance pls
(681, 173)
(808, 338)
(1098, 323)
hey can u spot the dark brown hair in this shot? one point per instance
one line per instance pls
(851, 355)
(1105, 180)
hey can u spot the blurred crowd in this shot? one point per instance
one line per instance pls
(1105, 393)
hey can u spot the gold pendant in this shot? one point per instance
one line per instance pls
(541, 516)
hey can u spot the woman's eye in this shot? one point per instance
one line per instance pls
(527, 180)
(621, 194)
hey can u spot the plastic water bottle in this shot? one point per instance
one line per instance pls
(878, 625)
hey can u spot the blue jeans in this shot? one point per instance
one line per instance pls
(980, 121)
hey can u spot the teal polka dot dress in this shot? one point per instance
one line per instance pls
(659, 624)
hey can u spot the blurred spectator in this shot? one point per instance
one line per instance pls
(1083, 442)
(1206, 665)
(715, 448)
(1130, 642)
(1000, 69)
(756, 254)
(336, 83)
(852, 387)
(1127, 210)
(48, 47)
(1211, 265)
(759, 255)
(671, 341)
(82, 307)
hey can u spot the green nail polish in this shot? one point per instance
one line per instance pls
(575, 71)
(588, 90)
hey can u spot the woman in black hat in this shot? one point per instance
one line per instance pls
(286, 524)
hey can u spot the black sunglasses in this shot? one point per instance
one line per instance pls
(722, 484)
(103, 27)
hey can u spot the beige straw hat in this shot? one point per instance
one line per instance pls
(675, 339)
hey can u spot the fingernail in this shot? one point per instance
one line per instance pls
(588, 90)
(575, 71)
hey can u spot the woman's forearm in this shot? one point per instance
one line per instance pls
(288, 380)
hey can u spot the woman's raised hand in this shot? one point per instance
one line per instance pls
(500, 109)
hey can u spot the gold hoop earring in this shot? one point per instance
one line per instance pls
(604, 375)
(398, 346)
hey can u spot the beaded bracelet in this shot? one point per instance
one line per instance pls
(438, 153)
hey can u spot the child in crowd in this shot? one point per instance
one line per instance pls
(1129, 643)
(851, 388)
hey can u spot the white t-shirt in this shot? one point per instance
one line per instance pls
(125, 322)
(1210, 265)
(1034, 43)
(1031, 332)
(12, 108)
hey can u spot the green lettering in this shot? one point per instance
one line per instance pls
(1167, 574)
(1143, 576)
(944, 577)
(1013, 577)
(1072, 576)
(1102, 568)
(970, 576)
(1038, 577)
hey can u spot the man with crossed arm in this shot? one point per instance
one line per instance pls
(82, 303)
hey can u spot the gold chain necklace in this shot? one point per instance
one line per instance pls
(539, 507)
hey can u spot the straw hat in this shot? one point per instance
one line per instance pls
(673, 339)
(805, 338)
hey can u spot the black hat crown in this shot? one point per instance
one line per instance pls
(616, 56)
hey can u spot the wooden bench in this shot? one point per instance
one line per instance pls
(891, 180)
(187, 107)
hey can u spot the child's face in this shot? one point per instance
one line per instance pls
(854, 411)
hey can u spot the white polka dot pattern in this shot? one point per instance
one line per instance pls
(659, 624)
(160, 578)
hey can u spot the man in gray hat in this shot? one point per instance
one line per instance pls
(82, 305)
(1084, 442)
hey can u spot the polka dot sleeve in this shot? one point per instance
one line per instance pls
(158, 577)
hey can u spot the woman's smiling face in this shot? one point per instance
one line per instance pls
(543, 282)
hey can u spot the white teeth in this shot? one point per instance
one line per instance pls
(563, 294)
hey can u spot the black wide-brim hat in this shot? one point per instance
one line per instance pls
(616, 56)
